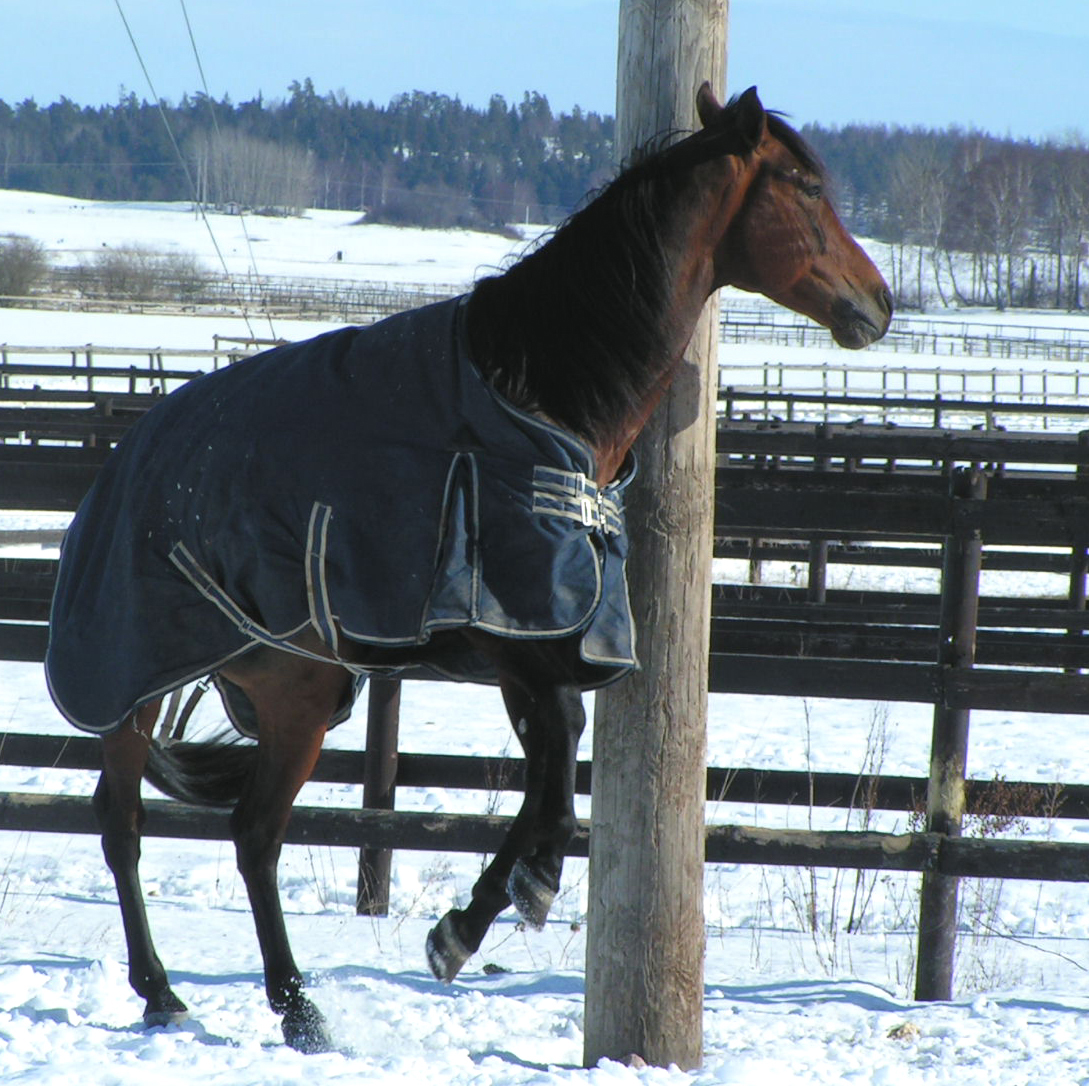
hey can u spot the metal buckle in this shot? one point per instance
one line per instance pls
(585, 498)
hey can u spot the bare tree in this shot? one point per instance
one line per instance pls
(1004, 194)
(1066, 217)
(235, 169)
(23, 264)
(918, 202)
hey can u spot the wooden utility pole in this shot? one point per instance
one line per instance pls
(645, 931)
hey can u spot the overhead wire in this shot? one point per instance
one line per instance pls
(219, 136)
(198, 203)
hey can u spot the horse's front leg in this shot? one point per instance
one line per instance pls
(120, 815)
(548, 720)
(552, 732)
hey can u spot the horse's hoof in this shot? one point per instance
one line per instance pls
(446, 953)
(305, 1029)
(165, 1009)
(530, 895)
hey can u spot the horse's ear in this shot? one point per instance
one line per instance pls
(751, 118)
(707, 106)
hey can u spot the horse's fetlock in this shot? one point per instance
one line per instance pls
(566, 827)
(287, 997)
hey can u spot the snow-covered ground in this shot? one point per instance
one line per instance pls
(783, 1004)
(74, 231)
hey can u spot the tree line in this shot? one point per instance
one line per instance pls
(971, 218)
(426, 159)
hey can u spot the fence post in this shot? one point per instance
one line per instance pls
(1079, 554)
(961, 563)
(816, 586)
(817, 582)
(1079, 568)
(379, 780)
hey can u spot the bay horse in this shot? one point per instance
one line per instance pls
(254, 495)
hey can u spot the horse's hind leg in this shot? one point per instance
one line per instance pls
(120, 816)
(294, 700)
(548, 720)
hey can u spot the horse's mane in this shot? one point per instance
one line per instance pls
(580, 327)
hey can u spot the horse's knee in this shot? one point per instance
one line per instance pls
(572, 709)
(563, 830)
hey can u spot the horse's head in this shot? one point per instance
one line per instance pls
(783, 237)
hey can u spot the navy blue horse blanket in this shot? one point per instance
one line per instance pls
(368, 484)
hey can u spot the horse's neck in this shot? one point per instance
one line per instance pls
(586, 337)
(611, 450)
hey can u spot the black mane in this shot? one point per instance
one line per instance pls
(580, 328)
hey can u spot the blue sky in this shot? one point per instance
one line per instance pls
(1006, 66)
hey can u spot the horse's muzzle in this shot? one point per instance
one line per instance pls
(858, 322)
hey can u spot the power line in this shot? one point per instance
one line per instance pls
(82, 165)
(181, 157)
(219, 136)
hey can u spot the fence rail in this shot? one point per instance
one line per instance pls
(726, 843)
(947, 338)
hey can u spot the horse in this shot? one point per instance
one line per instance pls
(257, 525)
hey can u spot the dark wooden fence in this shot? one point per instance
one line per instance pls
(812, 496)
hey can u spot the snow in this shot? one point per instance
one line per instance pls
(75, 230)
(783, 1005)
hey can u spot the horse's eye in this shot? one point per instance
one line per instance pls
(814, 192)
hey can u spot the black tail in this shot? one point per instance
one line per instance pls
(210, 774)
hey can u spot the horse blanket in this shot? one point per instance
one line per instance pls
(367, 483)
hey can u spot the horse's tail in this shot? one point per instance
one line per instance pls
(209, 774)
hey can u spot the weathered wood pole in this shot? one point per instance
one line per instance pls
(959, 609)
(645, 933)
(379, 780)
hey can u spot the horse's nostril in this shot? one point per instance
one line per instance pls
(886, 300)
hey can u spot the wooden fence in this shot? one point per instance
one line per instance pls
(913, 334)
(937, 411)
(814, 496)
(354, 301)
(348, 300)
(773, 391)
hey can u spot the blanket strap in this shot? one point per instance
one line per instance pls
(572, 495)
(317, 590)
